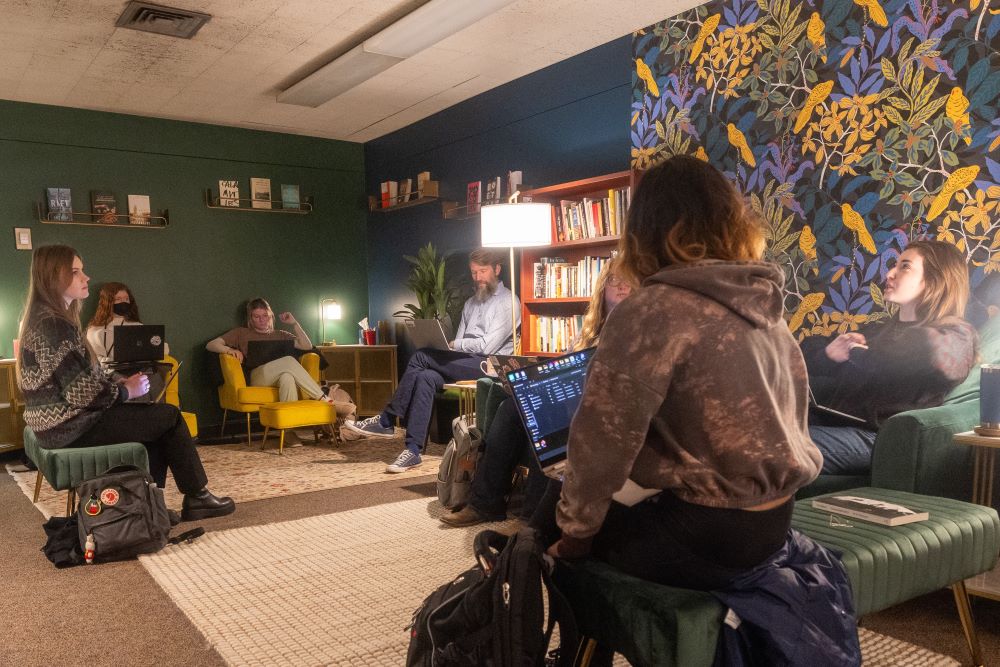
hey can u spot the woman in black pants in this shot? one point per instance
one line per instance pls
(70, 403)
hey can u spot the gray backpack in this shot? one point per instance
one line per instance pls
(123, 512)
(458, 464)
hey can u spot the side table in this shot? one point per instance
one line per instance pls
(466, 397)
(985, 448)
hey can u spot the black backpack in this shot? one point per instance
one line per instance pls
(494, 614)
(124, 512)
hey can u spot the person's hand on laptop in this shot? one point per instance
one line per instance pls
(840, 349)
(136, 385)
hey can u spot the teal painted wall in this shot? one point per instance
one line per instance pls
(193, 275)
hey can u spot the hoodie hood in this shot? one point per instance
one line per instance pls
(752, 290)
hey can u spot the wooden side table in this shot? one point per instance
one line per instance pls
(987, 584)
(366, 372)
(11, 408)
(466, 397)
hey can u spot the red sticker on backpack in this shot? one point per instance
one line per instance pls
(110, 496)
(92, 507)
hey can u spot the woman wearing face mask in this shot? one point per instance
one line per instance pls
(116, 307)
(507, 441)
(910, 362)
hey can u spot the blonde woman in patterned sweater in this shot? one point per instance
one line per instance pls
(70, 403)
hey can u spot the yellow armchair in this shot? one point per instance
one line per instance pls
(234, 394)
(173, 397)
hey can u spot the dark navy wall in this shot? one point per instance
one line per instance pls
(568, 121)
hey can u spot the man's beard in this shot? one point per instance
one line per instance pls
(485, 291)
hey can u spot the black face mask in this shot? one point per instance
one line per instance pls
(122, 309)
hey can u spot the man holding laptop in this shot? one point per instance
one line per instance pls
(485, 329)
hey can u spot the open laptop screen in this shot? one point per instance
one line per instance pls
(547, 395)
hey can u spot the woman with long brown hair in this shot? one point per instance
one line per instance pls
(116, 306)
(912, 361)
(70, 403)
(719, 460)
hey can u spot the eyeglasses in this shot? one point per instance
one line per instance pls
(615, 281)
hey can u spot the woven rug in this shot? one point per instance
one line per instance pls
(248, 473)
(340, 589)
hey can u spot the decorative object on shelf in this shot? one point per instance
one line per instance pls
(493, 194)
(60, 204)
(427, 191)
(138, 210)
(122, 220)
(229, 193)
(305, 205)
(329, 309)
(474, 197)
(289, 196)
(435, 298)
(104, 206)
(515, 225)
(260, 192)
(22, 238)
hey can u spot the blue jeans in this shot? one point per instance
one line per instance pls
(505, 446)
(426, 373)
(847, 450)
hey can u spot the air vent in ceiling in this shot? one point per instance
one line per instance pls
(162, 20)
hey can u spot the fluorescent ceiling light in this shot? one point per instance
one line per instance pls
(421, 28)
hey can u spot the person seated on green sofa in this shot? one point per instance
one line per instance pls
(912, 361)
(697, 391)
(984, 302)
(507, 442)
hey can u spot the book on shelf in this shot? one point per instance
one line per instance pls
(104, 206)
(513, 182)
(260, 192)
(60, 204)
(389, 191)
(229, 193)
(493, 191)
(138, 209)
(290, 197)
(474, 197)
(406, 190)
(555, 334)
(422, 178)
(869, 509)
(555, 278)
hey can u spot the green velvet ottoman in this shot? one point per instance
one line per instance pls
(64, 469)
(658, 625)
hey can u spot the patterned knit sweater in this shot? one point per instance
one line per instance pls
(64, 393)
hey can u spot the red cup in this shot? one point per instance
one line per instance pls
(369, 336)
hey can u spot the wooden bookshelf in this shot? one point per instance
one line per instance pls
(572, 251)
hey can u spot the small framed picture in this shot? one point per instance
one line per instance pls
(22, 238)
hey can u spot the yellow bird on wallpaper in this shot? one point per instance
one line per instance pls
(644, 73)
(816, 34)
(854, 222)
(807, 243)
(737, 140)
(701, 154)
(957, 180)
(809, 304)
(875, 11)
(816, 97)
(957, 108)
(707, 28)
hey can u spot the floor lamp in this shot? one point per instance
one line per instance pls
(516, 225)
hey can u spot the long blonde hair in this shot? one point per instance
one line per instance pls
(946, 281)
(51, 273)
(594, 318)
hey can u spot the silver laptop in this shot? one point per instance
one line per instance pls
(427, 333)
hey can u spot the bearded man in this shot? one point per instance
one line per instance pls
(485, 329)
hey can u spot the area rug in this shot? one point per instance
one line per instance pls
(340, 589)
(247, 473)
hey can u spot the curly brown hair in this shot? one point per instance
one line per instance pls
(106, 305)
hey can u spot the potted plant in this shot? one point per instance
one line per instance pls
(435, 298)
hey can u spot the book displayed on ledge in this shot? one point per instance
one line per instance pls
(869, 509)
(290, 197)
(104, 206)
(389, 191)
(229, 193)
(138, 209)
(493, 191)
(474, 197)
(260, 192)
(60, 204)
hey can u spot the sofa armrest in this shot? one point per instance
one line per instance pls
(914, 451)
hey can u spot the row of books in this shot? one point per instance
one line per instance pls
(495, 192)
(260, 194)
(555, 334)
(591, 218)
(555, 278)
(397, 192)
(103, 206)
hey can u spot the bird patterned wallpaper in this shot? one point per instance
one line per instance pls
(852, 127)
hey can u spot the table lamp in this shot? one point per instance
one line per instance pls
(329, 309)
(516, 225)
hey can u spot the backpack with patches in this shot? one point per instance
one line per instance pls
(494, 615)
(458, 464)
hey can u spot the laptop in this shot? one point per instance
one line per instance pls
(547, 395)
(427, 333)
(260, 352)
(137, 343)
(834, 417)
(499, 365)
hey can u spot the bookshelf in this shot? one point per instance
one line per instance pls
(568, 298)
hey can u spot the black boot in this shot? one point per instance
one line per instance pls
(204, 505)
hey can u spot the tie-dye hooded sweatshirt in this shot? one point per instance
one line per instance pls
(697, 387)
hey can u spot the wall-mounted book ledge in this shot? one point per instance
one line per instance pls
(257, 205)
(121, 220)
(388, 203)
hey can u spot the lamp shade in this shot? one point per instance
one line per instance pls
(331, 310)
(516, 225)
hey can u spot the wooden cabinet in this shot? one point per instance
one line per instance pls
(11, 408)
(366, 372)
(548, 322)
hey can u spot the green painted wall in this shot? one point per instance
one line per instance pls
(193, 275)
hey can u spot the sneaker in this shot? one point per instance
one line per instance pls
(467, 516)
(371, 427)
(404, 461)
